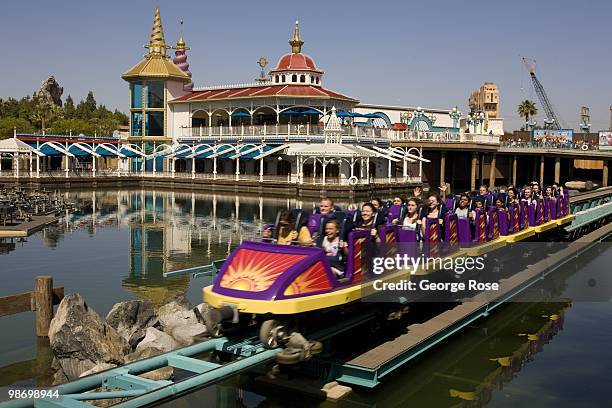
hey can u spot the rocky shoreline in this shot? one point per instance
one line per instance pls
(83, 342)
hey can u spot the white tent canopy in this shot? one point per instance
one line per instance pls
(16, 146)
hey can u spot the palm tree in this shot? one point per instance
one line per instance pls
(527, 109)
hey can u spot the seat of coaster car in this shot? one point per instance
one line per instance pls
(301, 218)
(346, 224)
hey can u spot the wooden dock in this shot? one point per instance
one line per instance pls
(368, 368)
(27, 228)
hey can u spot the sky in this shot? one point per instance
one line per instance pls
(414, 53)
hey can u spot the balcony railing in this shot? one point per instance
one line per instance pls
(290, 179)
(316, 130)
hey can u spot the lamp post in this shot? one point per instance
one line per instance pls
(455, 115)
(471, 122)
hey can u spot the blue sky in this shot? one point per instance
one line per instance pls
(424, 53)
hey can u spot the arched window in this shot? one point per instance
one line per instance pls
(284, 79)
(317, 80)
(302, 78)
(312, 80)
(276, 79)
(294, 78)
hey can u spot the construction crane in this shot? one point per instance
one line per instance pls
(552, 118)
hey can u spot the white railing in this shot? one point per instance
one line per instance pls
(317, 130)
(290, 179)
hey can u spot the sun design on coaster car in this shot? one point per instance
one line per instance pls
(256, 271)
(314, 279)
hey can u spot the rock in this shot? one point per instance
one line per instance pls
(164, 373)
(51, 90)
(59, 377)
(80, 339)
(189, 334)
(157, 339)
(175, 314)
(97, 368)
(131, 319)
(142, 354)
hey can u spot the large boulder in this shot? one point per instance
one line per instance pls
(157, 339)
(80, 339)
(176, 313)
(188, 334)
(51, 91)
(131, 319)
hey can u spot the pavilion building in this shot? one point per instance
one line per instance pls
(287, 125)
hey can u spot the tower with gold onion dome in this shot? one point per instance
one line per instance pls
(153, 82)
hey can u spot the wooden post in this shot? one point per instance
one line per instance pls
(541, 170)
(492, 168)
(43, 301)
(514, 180)
(605, 174)
(557, 169)
(442, 167)
(473, 173)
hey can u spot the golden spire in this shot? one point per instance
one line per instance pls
(296, 42)
(180, 44)
(157, 44)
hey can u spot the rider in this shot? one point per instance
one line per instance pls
(287, 235)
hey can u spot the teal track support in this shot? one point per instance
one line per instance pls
(589, 215)
(126, 383)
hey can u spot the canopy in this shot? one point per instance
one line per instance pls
(358, 115)
(14, 145)
(240, 114)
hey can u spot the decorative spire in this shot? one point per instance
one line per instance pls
(296, 42)
(157, 44)
(180, 58)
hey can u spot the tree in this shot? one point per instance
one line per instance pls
(85, 109)
(69, 109)
(44, 112)
(8, 124)
(527, 109)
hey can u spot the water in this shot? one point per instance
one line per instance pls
(118, 249)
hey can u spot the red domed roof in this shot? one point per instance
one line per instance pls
(296, 61)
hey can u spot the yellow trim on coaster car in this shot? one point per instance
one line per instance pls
(486, 247)
(354, 292)
(565, 220)
(519, 236)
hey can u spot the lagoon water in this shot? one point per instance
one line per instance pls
(119, 243)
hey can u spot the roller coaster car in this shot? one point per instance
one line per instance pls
(271, 285)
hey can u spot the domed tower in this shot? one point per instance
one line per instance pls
(296, 68)
(153, 82)
(180, 59)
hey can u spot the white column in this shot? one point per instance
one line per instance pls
(420, 165)
(300, 169)
(215, 168)
(389, 170)
(142, 166)
(368, 169)
(173, 164)
(16, 162)
(324, 166)
(237, 168)
(193, 167)
(261, 169)
(404, 169)
(93, 166)
(37, 166)
(154, 165)
(67, 165)
(30, 164)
